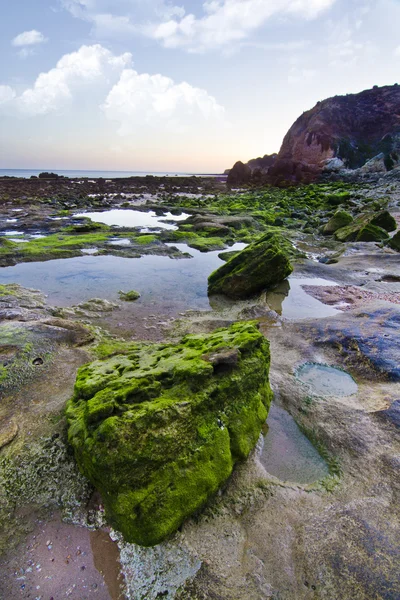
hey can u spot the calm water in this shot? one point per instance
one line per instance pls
(287, 453)
(326, 381)
(163, 282)
(26, 173)
(290, 300)
(134, 218)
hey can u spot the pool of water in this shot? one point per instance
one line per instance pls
(287, 453)
(163, 282)
(326, 381)
(291, 301)
(134, 218)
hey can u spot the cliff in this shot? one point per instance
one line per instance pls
(356, 131)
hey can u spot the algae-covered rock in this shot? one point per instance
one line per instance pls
(260, 265)
(385, 220)
(158, 430)
(350, 233)
(340, 219)
(372, 233)
(394, 242)
(130, 296)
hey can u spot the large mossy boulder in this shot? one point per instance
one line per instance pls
(259, 266)
(158, 430)
(340, 219)
(352, 232)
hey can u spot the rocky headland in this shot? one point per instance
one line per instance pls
(356, 136)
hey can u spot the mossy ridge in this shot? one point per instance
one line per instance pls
(159, 429)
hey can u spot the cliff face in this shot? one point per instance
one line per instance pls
(353, 128)
(343, 132)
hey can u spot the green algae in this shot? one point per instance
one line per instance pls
(58, 245)
(372, 233)
(394, 242)
(158, 430)
(370, 226)
(340, 219)
(259, 266)
(129, 296)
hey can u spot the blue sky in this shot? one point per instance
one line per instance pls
(178, 85)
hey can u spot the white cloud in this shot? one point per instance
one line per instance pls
(52, 90)
(397, 51)
(143, 100)
(6, 94)
(220, 24)
(28, 38)
(228, 21)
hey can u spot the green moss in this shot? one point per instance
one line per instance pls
(340, 219)
(385, 220)
(371, 233)
(129, 296)
(146, 239)
(207, 244)
(260, 265)
(59, 245)
(366, 226)
(158, 429)
(394, 242)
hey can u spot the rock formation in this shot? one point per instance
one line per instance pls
(262, 264)
(255, 171)
(159, 429)
(357, 132)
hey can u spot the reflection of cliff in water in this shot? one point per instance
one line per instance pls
(276, 297)
(290, 300)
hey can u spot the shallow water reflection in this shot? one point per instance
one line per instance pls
(327, 381)
(163, 282)
(290, 300)
(134, 218)
(287, 453)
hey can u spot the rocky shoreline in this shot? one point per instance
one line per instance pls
(259, 537)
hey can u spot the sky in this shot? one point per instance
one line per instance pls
(178, 85)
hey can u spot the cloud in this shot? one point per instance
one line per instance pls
(54, 89)
(143, 100)
(221, 23)
(108, 85)
(28, 38)
(6, 94)
(229, 21)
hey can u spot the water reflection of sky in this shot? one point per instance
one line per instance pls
(134, 218)
(162, 281)
(287, 453)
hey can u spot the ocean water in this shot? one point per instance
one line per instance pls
(26, 173)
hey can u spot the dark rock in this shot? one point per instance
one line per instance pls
(240, 174)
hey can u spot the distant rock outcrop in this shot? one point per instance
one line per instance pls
(356, 135)
(256, 170)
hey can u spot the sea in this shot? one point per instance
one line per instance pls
(26, 173)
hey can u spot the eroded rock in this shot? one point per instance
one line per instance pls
(158, 429)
